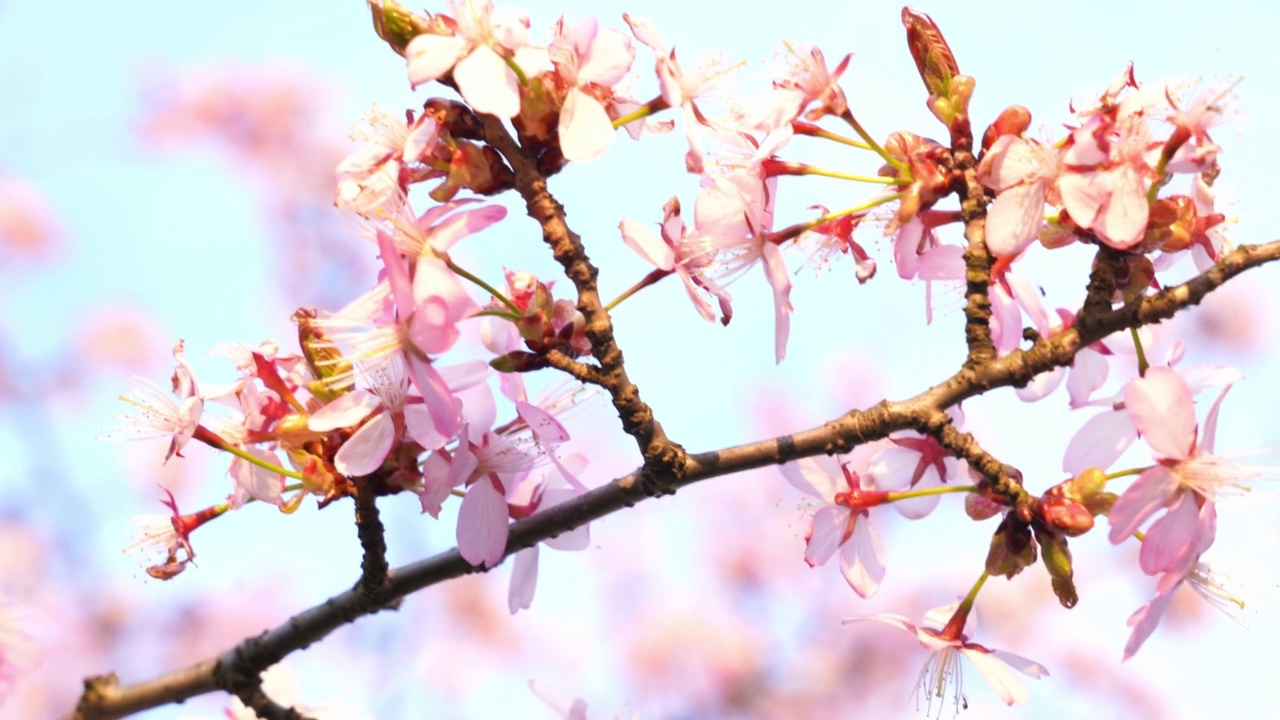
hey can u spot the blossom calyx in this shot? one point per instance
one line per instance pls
(396, 25)
(1057, 560)
(1012, 548)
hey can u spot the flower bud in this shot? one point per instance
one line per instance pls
(1012, 548)
(934, 60)
(1057, 560)
(395, 24)
(1013, 120)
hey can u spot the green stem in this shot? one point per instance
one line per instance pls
(789, 232)
(644, 282)
(458, 270)
(925, 492)
(255, 460)
(1126, 473)
(871, 143)
(655, 105)
(834, 137)
(809, 170)
(1142, 355)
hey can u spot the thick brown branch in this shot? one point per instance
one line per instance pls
(373, 566)
(661, 455)
(977, 260)
(103, 698)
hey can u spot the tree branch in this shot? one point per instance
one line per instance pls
(662, 457)
(104, 698)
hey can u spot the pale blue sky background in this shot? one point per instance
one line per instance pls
(181, 234)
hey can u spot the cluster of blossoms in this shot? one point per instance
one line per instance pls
(375, 403)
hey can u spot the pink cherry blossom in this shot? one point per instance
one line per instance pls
(1201, 579)
(679, 88)
(843, 522)
(1023, 173)
(682, 252)
(547, 492)
(733, 214)
(911, 461)
(919, 255)
(157, 413)
(477, 55)
(942, 667)
(1186, 479)
(381, 397)
(369, 179)
(588, 61)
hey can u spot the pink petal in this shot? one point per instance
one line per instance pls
(435, 484)
(1014, 219)
(1102, 439)
(257, 482)
(1042, 385)
(1144, 622)
(1175, 540)
(1088, 373)
(827, 534)
(998, 675)
(1125, 219)
(1161, 407)
(543, 424)
(819, 476)
(608, 59)
(586, 131)
(1083, 194)
(421, 428)
(487, 84)
(443, 406)
(364, 451)
(775, 269)
(346, 411)
(1210, 430)
(1027, 667)
(1151, 491)
(482, 525)
(459, 225)
(524, 580)
(862, 559)
(430, 56)
(648, 244)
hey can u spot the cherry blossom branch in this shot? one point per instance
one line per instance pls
(660, 453)
(373, 566)
(977, 259)
(104, 698)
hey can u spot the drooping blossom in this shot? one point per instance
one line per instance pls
(531, 497)
(1202, 579)
(733, 214)
(806, 80)
(589, 61)
(843, 523)
(484, 40)
(681, 251)
(918, 254)
(941, 674)
(369, 179)
(163, 542)
(1185, 481)
(678, 88)
(158, 413)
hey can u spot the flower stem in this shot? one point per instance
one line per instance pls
(1142, 355)
(458, 270)
(925, 492)
(805, 128)
(212, 439)
(1126, 473)
(644, 282)
(871, 143)
(955, 626)
(792, 231)
(652, 107)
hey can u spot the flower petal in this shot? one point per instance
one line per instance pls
(482, 525)
(1162, 409)
(1151, 491)
(364, 451)
(862, 559)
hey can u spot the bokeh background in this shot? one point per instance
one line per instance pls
(166, 172)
